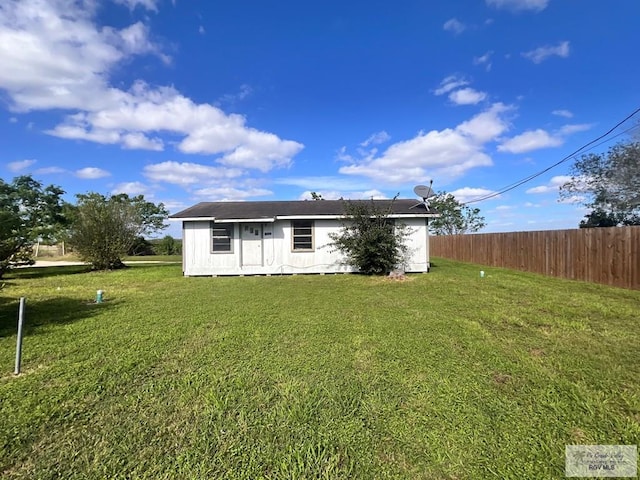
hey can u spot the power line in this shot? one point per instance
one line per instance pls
(568, 157)
(531, 177)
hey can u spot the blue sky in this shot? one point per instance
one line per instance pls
(188, 101)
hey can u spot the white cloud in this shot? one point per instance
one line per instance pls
(54, 56)
(440, 154)
(260, 150)
(450, 83)
(487, 125)
(231, 98)
(376, 139)
(484, 60)
(467, 193)
(563, 113)
(519, 5)
(188, 173)
(552, 187)
(530, 140)
(141, 142)
(467, 96)
(226, 194)
(132, 4)
(132, 40)
(13, 120)
(540, 189)
(207, 129)
(374, 194)
(77, 132)
(504, 207)
(323, 183)
(572, 200)
(245, 91)
(50, 170)
(174, 206)
(343, 156)
(540, 54)
(133, 188)
(20, 165)
(325, 194)
(539, 138)
(454, 25)
(91, 173)
(201, 30)
(336, 195)
(575, 128)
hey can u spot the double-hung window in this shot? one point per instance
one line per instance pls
(302, 235)
(222, 237)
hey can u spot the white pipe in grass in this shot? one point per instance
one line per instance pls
(19, 341)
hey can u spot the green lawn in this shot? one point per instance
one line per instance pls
(129, 258)
(153, 258)
(441, 376)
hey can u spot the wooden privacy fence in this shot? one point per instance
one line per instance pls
(602, 255)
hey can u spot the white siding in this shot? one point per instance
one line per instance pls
(418, 244)
(278, 254)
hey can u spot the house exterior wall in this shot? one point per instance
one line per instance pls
(278, 256)
(418, 244)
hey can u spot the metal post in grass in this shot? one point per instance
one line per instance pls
(19, 341)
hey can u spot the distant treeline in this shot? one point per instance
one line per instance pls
(156, 246)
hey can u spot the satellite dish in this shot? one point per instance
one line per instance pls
(423, 191)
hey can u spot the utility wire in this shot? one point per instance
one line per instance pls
(531, 177)
(568, 157)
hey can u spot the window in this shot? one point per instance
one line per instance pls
(222, 236)
(302, 234)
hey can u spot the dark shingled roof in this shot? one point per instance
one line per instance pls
(229, 210)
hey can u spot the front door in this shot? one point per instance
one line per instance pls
(251, 235)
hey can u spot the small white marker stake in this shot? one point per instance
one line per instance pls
(19, 341)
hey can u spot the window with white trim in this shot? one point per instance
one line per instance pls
(222, 237)
(302, 237)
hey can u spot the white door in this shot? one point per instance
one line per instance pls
(251, 235)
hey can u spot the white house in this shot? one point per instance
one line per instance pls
(284, 237)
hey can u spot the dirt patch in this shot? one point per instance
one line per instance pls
(546, 329)
(578, 435)
(537, 352)
(501, 378)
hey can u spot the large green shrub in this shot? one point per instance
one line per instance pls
(104, 229)
(370, 240)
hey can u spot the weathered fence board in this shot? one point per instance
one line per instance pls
(601, 255)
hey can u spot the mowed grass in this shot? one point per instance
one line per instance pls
(71, 257)
(442, 376)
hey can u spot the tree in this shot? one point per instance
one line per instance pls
(29, 213)
(455, 218)
(141, 247)
(105, 228)
(600, 218)
(167, 246)
(608, 184)
(370, 240)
